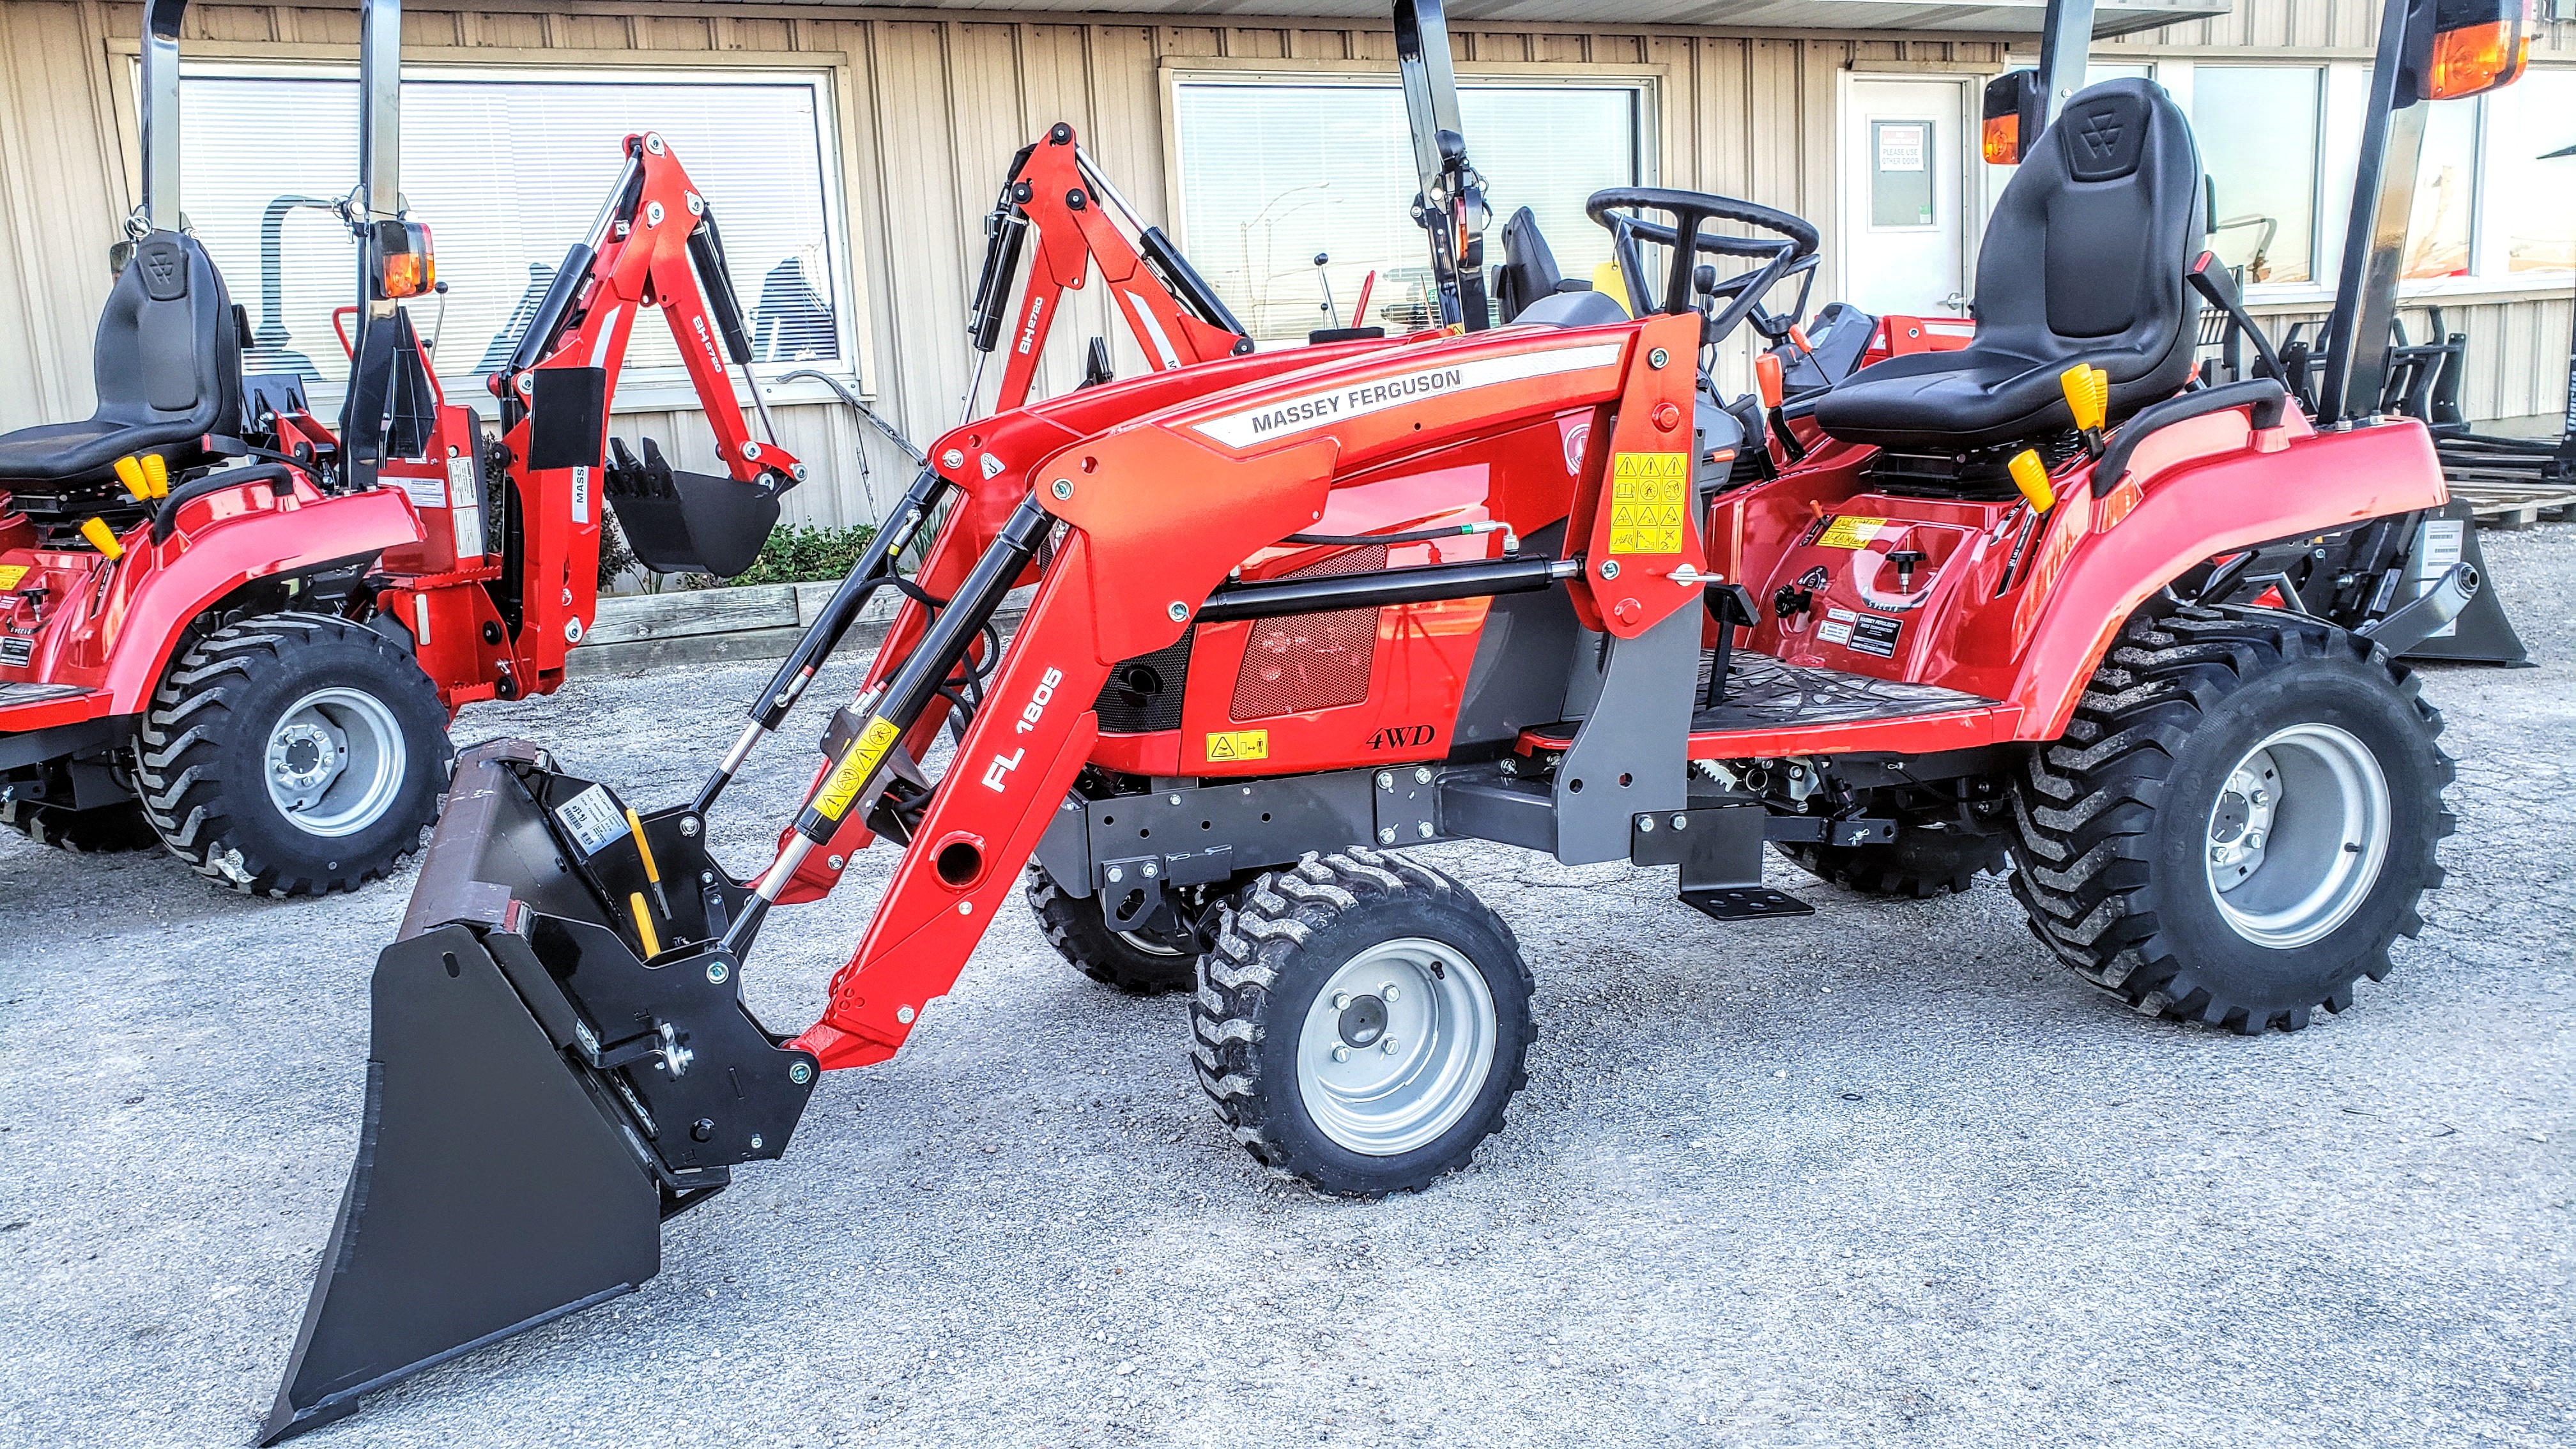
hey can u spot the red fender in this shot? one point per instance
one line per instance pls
(124, 638)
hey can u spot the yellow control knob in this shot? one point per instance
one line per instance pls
(156, 471)
(103, 538)
(2030, 475)
(2085, 397)
(129, 471)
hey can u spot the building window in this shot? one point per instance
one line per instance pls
(1272, 173)
(2440, 232)
(2257, 131)
(508, 170)
(2534, 200)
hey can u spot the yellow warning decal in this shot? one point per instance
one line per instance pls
(1647, 493)
(855, 767)
(1238, 745)
(10, 574)
(1851, 532)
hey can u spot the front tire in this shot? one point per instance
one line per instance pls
(294, 754)
(111, 829)
(1362, 1022)
(2239, 821)
(1142, 962)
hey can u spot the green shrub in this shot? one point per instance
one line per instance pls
(799, 555)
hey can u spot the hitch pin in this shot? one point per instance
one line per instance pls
(652, 872)
(1687, 576)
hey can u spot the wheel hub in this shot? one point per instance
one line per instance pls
(1397, 1046)
(336, 762)
(2297, 835)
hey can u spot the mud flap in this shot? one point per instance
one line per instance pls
(540, 1094)
(678, 523)
(491, 1191)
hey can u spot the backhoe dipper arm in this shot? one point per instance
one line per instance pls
(1055, 191)
(656, 245)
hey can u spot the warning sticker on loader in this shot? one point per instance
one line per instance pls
(1238, 745)
(855, 767)
(10, 574)
(592, 819)
(1851, 532)
(1647, 495)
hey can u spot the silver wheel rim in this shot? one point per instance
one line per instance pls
(2297, 836)
(1396, 1047)
(1147, 945)
(334, 762)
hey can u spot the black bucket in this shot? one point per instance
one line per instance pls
(539, 1095)
(687, 523)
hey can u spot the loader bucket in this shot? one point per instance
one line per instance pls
(540, 1095)
(683, 523)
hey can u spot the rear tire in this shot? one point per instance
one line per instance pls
(1140, 962)
(1301, 972)
(2239, 821)
(294, 754)
(100, 830)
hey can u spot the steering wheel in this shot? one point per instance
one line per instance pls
(1794, 250)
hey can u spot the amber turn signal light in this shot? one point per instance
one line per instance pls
(2002, 140)
(2478, 59)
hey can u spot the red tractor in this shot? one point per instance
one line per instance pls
(237, 631)
(1530, 586)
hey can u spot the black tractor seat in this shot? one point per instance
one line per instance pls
(168, 370)
(2083, 263)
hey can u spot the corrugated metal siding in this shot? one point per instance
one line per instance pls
(935, 108)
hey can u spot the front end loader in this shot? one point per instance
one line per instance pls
(1290, 621)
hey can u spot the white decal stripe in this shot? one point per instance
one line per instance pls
(1154, 325)
(607, 330)
(1306, 412)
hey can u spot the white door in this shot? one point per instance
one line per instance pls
(1904, 233)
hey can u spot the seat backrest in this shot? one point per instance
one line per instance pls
(2086, 252)
(1529, 269)
(169, 348)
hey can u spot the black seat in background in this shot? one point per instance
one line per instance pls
(1529, 269)
(2083, 262)
(168, 369)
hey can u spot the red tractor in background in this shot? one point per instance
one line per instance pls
(233, 629)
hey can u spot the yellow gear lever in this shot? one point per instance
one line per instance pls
(103, 538)
(652, 872)
(2030, 475)
(129, 471)
(156, 472)
(2088, 397)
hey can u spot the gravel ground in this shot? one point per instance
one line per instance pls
(1885, 1175)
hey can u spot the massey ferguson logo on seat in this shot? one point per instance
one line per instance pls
(2101, 133)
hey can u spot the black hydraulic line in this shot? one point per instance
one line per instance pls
(923, 675)
(874, 570)
(1391, 586)
(1185, 282)
(1419, 535)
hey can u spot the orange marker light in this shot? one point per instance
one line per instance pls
(1766, 379)
(2001, 140)
(2479, 58)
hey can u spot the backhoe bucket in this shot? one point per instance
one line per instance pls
(539, 1094)
(683, 523)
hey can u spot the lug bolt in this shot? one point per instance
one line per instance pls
(2262, 797)
(1341, 1001)
(1391, 992)
(1341, 1054)
(2253, 840)
(1389, 1048)
(2218, 854)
